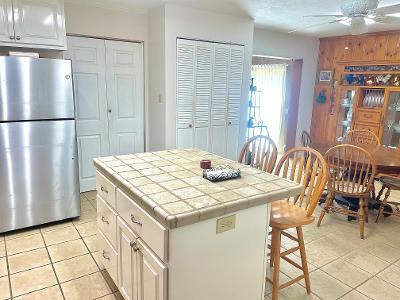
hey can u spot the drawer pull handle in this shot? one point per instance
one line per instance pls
(134, 246)
(133, 219)
(103, 189)
(105, 255)
(104, 219)
(368, 116)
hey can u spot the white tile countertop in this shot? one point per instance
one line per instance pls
(170, 187)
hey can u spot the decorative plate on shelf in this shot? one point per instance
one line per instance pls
(221, 173)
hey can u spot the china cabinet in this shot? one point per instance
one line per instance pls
(345, 114)
(391, 129)
(369, 98)
(33, 24)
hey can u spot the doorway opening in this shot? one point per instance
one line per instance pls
(273, 103)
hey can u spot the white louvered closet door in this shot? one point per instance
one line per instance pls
(219, 99)
(234, 99)
(185, 93)
(209, 88)
(202, 100)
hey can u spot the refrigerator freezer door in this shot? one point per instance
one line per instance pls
(39, 173)
(35, 89)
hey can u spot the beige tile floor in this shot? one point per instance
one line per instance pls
(58, 261)
(342, 266)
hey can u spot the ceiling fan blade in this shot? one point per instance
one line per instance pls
(386, 10)
(324, 16)
(314, 25)
(388, 20)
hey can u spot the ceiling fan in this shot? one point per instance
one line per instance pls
(358, 14)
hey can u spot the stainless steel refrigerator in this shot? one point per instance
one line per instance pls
(38, 153)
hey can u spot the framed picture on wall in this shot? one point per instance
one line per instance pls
(325, 76)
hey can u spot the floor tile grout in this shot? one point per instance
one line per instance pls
(52, 266)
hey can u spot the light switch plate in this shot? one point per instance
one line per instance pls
(226, 223)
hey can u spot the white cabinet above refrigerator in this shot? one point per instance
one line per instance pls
(33, 24)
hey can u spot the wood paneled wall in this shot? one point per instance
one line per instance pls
(374, 47)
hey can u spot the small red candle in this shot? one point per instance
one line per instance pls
(205, 164)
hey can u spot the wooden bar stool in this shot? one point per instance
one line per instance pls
(389, 183)
(361, 136)
(259, 152)
(351, 172)
(307, 167)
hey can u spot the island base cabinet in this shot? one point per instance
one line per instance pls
(107, 256)
(142, 276)
(153, 275)
(127, 261)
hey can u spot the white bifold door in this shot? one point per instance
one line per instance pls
(209, 86)
(109, 100)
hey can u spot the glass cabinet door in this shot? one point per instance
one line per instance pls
(391, 132)
(345, 115)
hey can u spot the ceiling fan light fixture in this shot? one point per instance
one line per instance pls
(369, 21)
(358, 7)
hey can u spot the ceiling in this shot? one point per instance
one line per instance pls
(280, 15)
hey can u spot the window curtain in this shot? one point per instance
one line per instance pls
(270, 81)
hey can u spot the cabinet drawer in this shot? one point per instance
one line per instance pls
(368, 116)
(108, 256)
(105, 189)
(107, 221)
(151, 232)
(371, 127)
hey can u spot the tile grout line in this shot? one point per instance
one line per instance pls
(52, 266)
(8, 269)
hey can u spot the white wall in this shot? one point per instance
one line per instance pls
(193, 23)
(156, 67)
(272, 43)
(102, 22)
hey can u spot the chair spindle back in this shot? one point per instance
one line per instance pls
(307, 167)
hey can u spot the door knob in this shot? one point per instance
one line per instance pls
(12, 37)
(109, 110)
(18, 37)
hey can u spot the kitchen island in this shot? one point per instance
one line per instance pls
(166, 233)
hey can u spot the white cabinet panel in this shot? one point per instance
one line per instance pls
(107, 256)
(6, 21)
(153, 279)
(125, 94)
(203, 84)
(88, 63)
(202, 138)
(127, 261)
(184, 138)
(232, 143)
(235, 84)
(220, 84)
(185, 83)
(39, 22)
(218, 140)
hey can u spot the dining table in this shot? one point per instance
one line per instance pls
(387, 159)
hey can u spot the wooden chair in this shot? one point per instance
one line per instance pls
(389, 183)
(305, 139)
(307, 167)
(351, 172)
(361, 136)
(259, 152)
